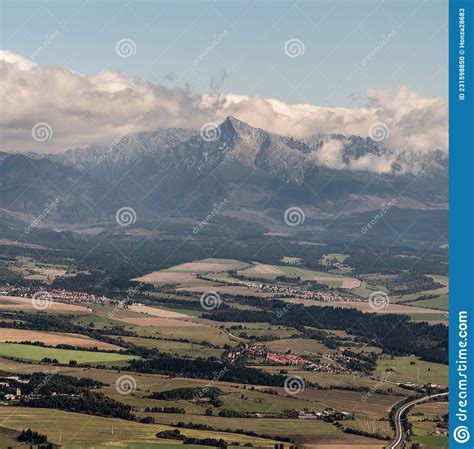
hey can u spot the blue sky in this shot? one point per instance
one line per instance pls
(249, 59)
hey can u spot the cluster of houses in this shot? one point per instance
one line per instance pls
(239, 351)
(298, 291)
(61, 296)
(332, 297)
(287, 359)
(306, 293)
(327, 414)
(258, 349)
(8, 387)
(296, 360)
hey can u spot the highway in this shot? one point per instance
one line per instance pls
(399, 439)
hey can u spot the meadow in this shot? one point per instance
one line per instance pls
(412, 369)
(265, 271)
(38, 353)
(26, 304)
(79, 431)
(175, 347)
(52, 338)
(425, 419)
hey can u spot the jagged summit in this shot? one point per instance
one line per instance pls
(162, 168)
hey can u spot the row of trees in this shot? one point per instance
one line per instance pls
(205, 369)
(91, 403)
(176, 435)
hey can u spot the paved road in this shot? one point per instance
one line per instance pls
(399, 439)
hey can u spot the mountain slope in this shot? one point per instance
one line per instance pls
(179, 171)
(39, 187)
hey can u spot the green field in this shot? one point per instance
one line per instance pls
(440, 302)
(300, 429)
(264, 330)
(301, 346)
(195, 334)
(100, 319)
(175, 347)
(304, 274)
(433, 317)
(328, 379)
(79, 431)
(412, 369)
(37, 353)
(431, 441)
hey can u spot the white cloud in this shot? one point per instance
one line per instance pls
(85, 110)
(330, 154)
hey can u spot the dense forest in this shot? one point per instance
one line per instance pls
(187, 394)
(205, 369)
(176, 435)
(89, 402)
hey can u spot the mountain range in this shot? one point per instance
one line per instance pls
(184, 171)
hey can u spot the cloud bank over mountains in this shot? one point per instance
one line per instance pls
(86, 110)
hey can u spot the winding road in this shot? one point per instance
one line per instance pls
(399, 439)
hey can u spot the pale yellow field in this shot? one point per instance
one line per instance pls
(346, 282)
(186, 272)
(52, 338)
(156, 321)
(155, 311)
(266, 269)
(168, 277)
(271, 271)
(204, 266)
(17, 302)
(86, 431)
